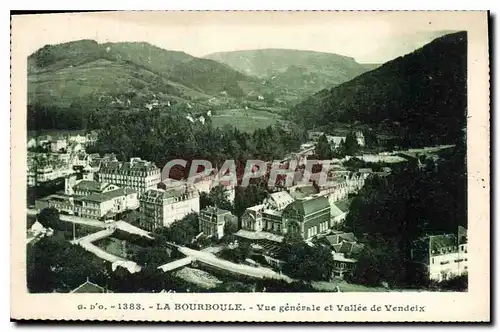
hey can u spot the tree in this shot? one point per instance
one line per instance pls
(231, 225)
(182, 231)
(323, 149)
(307, 263)
(152, 256)
(219, 197)
(53, 264)
(246, 197)
(371, 140)
(238, 254)
(49, 217)
(350, 146)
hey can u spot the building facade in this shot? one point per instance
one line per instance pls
(213, 220)
(306, 217)
(443, 256)
(136, 174)
(161, 207)
(101, 205)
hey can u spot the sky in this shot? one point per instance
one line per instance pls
(367, 37)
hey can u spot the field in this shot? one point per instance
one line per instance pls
(245, 119)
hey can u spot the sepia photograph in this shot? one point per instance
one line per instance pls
(209, 153)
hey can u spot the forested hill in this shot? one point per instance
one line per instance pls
(421, 96)
(85, 71)
(297, 71)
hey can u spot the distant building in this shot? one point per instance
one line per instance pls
(78, 139)
(32, 143)
(307, 217)
(360, 138)
(252, 218)
(335, 141)
(58, 144)
(212, 221)
(315, 135)
(136, 174)
(161, 207)
(345, 250)
(443, 256)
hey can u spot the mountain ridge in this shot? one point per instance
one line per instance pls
(421, 95)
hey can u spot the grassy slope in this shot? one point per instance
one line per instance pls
(64, 73)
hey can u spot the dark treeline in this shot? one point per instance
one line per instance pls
(391, 212)
(80, 115)
(161, 138)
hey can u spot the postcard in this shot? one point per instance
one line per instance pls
(281, 166)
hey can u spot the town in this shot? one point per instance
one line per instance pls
(205, 232)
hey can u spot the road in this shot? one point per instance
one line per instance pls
(210, 259)
(120, 224)
(74, 219)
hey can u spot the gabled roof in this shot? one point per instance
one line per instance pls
(438, 242)
(281, 199)
(336, 247)
(336, 211)
(89, 287)
(108, 195)
(335, 239)
(90, 185)
(307, 207)
(343, 205)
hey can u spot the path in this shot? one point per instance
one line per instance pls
(176, 264)
(86, 243)
(120, 224)
(210, 259)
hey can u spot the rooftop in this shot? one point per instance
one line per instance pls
(281, 198)
(133, 166)
(106, 196)
(306, 207)
(89, 287)
(89, 185)
(336, 211)
(437, 242)
(215, 210)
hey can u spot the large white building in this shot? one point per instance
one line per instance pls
(91, 199)
(161, 207)
(444, 256)
(136, 174)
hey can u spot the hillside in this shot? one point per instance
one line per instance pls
(293, 71)
(131, 74)
(421, 97)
